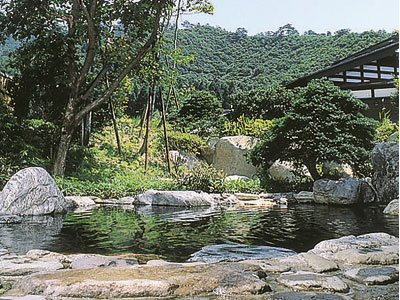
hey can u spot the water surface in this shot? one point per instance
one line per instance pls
(175, 233)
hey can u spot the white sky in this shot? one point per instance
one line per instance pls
(318, 15)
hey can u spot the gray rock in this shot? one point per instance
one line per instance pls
(175, 198)
(10, 219)
(373, 276)
(318, 263)
(227, 252)
(80, 201)
(364, 241)
(312, 281)
(85, 261)
(388, 292)
(236, 178)
(304, 197)
(344, 191)
(385, 255)
(229, 155)
(334, 170)
(182, 159)
(283, 171)
(28, 297)
(385, 162)
(148, 281)
(392, 208)
(306, 296)
(32, 191)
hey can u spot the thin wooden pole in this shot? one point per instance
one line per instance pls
(143, 119)
(114, 120)
(165, 132)
(148, 127)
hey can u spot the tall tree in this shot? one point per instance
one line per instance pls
(80, 26)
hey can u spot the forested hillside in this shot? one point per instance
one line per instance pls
(225, 62)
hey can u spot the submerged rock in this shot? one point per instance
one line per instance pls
(32, 191)
(227, 252)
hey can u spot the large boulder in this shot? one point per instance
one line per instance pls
(32, 191)
(228, 154)
(385, 161)
(175, 198)
(284, 171)
(332, 169)
(344, 191)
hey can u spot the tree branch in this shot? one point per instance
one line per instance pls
(134, 63)
(91, 50)
(95, 82)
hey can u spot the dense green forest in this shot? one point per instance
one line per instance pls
(227, 62)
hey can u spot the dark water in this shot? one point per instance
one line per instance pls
(175, 234)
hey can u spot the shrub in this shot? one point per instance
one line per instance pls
(273, 102)
(200, 113)
(247, 126)
(385, 129)
(324, 124)
(204, 178)
(186, 142)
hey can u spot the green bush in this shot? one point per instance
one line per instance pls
(200, 113)
(247, 126)
(186, 142)
(267, 104)
(204, 178)
(324, 124)
(385, 129)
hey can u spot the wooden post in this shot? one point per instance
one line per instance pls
(148, 127)
(165, 132)
(114, 120)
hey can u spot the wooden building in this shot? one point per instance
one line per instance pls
(369, 74)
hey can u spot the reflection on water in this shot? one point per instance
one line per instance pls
(175, 233)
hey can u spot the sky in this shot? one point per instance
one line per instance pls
(318, 15)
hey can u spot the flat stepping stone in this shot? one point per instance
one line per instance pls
(313, 281)
(147, 281)
(373, 276)
(318, 263)
(306, 296)
(386, 255)
(387, 292)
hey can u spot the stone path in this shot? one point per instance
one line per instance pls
(369, 270)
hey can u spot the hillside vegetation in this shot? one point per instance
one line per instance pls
(227, 62)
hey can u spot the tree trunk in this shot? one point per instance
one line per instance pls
(62, 149)
(86, 129)
(312, 168)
